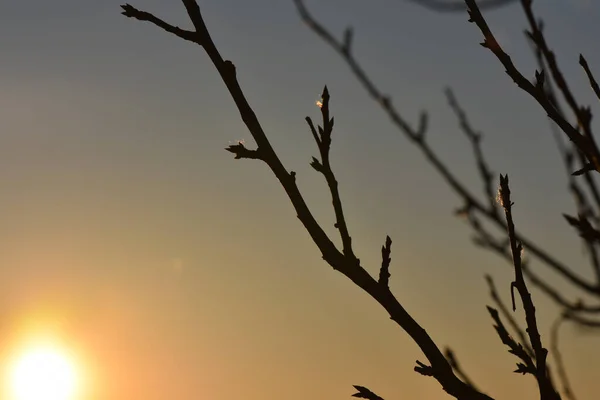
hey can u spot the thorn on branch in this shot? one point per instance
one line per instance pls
(241, 151)
(316, 164)
(586, 168)
(364, 393)
(130, 11)
(386, 102)
(347, 44)
(464, 211)
(423, 122)
(423, 369)
(513, 286)
(584, 227)
(540, 78)
(229, 69)
(384, 272)
(527, 366)
(588, 72)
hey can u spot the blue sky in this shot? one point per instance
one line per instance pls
(179, 272)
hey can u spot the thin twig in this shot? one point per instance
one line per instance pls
(323, 139)
(509, 317)
(556, 354)
(417, 137)
(440, 369)
(475, 138)
(584, 143)
(458, 369)
(588, 72)
(547, 391)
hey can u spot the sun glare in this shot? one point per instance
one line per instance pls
(43, 372)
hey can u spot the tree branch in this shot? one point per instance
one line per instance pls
(547, 391)
(351, 268)
(416, 136)
(132, 12)
(584, 143)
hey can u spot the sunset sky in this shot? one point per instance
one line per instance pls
(173, 271)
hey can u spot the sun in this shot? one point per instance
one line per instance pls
(43, 372)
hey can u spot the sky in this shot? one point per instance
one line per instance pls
(174, 271)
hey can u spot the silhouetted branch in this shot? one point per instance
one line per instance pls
(458, 369)
(241, 151)
(579, 319)
(417, 137)
(583, 226)
(526, 366)
(537, 37)
(588, 72)
(323, 139)
(384, 271)
(556, 354)
(583, 142)
(568, 155)
(345, 263)
(132, 12)
(475, 138)
(364, 393)
(547, 391)
(508, 316)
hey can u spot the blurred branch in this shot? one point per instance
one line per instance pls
(537, 37)
(568, 155)
(536, 90)
(417, 137)
(475, 138)
(588, 72)
(458, 369)
(556, 354)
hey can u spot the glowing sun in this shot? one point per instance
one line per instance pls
(43, 373)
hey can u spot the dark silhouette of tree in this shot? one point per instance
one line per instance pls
(581, 159)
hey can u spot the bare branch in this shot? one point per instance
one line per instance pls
(508, 316)
(547, 391)
(323, 139)
(384, 272)
(568, 155)
(347, 265)
(527, 365)
(584, 143)
(417, 137)
(364, 393)
(132, 12)
(458, 369)
(556, 354)
(475, 138)
(588, 72)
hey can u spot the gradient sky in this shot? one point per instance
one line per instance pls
(177, 272)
